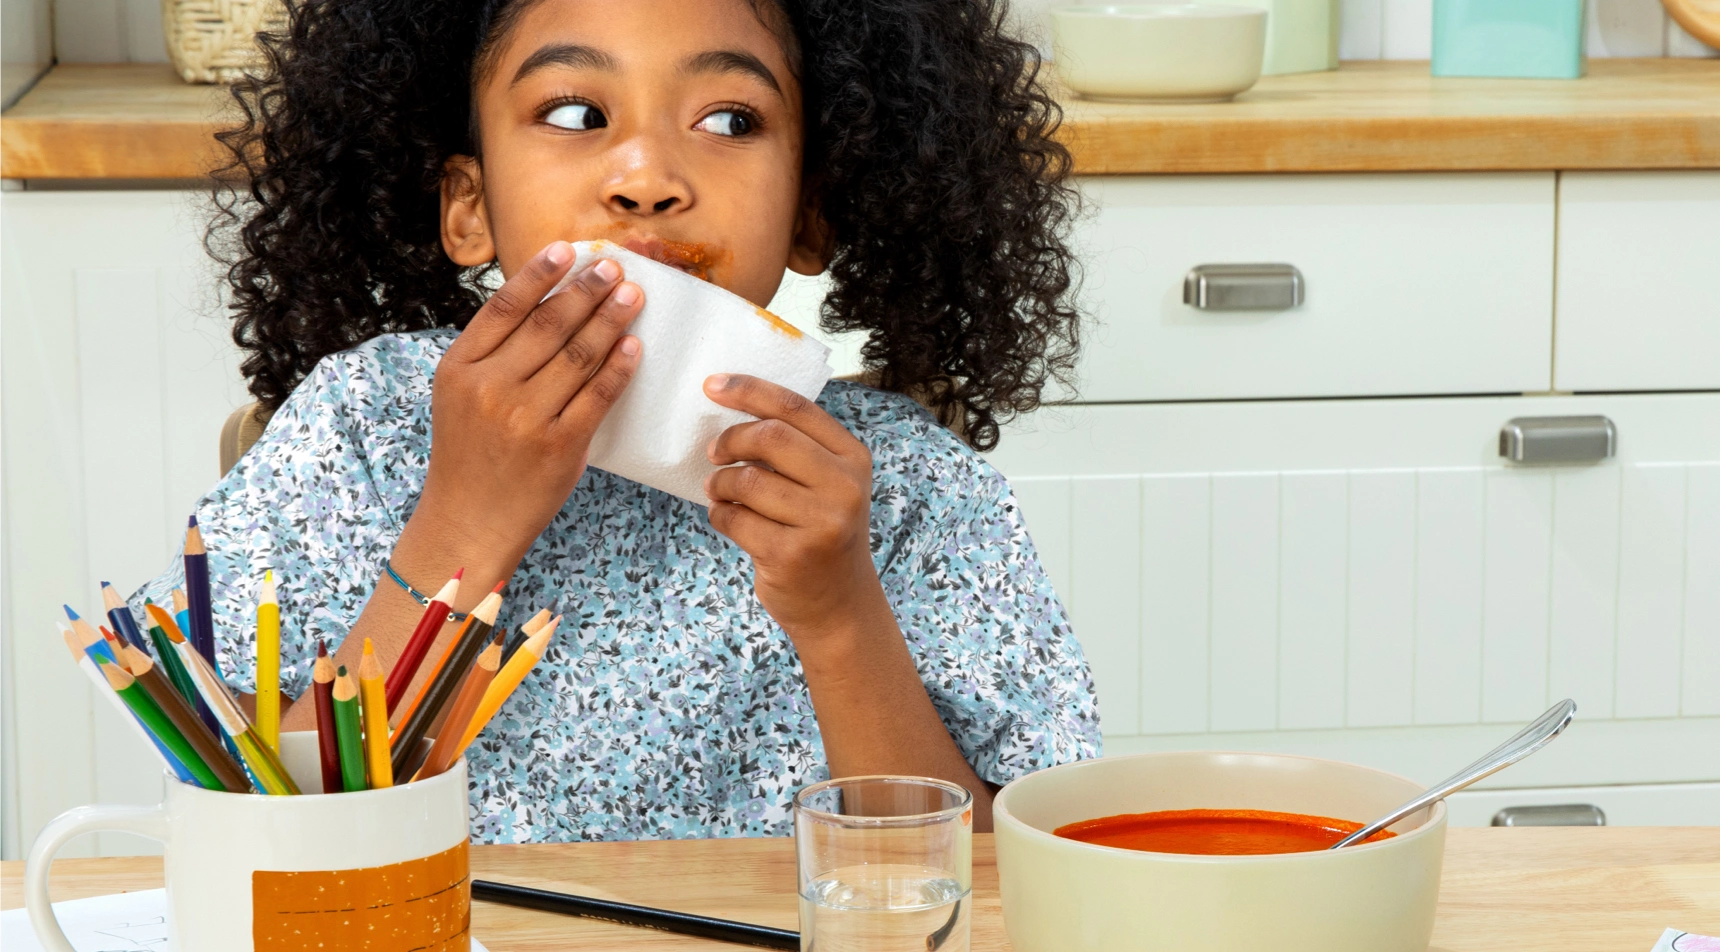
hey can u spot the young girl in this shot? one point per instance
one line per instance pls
(866, 601)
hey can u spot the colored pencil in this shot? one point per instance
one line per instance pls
(269, 665)
(443, 752)
(181, 610)
(198, 602)
(431, 702)
(120, 617)
(349, 731)
(509, 678)
(374, 698)
(207, 745)
(423, 636)
(681, 923)
(157, 723)
(328, 741)
(271, 776)
(168, 657)
(88, 667)
(94, 644)
(532, 626)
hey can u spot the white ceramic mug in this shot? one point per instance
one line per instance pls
(381, 870)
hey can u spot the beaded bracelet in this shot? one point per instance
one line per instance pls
(417, 596)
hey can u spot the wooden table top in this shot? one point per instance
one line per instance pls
(1504, 890)
(141, 122)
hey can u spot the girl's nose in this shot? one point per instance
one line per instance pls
(647, 188)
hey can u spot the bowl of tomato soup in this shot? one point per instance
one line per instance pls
(1210, 850)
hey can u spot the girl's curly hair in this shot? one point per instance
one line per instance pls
(930, 154)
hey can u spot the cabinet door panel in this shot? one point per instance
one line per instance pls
(1315, 568)
(1638, 253)
(1415, 284)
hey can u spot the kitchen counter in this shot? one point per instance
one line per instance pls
(1510, 890)
(142, 122)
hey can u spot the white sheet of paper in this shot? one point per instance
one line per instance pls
(122, 922)
(1674, 941)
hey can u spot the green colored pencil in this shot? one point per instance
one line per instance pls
(347, 719)
(170, 660)
(155, 719)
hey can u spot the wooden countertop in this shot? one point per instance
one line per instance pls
(1504, 890)
(142, 122)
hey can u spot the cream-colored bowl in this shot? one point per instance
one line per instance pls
(1159, 52)
(1061, 895)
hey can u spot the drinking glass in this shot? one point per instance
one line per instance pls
(885, 864)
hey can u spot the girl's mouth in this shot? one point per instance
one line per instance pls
(694, 257)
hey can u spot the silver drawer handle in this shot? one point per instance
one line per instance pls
(1558, 439)
(1561, 814)
(1243, 287)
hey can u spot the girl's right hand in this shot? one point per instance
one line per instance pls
(515, 403)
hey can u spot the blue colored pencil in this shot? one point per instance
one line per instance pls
(198, 603)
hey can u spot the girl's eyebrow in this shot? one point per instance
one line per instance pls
(731, 61)
(566, 54)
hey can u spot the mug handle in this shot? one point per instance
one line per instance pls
(144, 821)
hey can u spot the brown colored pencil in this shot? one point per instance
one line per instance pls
(328, 735)
(166, 697)
(447, 745)
(405, 745)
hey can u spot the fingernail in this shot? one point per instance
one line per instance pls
(626, 295)
(716, 381)
(608, 270)
(630, 346)
(558, 254)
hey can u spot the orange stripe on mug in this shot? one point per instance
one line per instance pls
(419, 904)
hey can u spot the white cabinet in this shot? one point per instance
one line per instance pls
(1415, 284)
(1639, 281)
(1366, 579)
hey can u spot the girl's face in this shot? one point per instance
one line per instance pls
(673, 127)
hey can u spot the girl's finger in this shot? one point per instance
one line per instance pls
(570, 367)
(768, 401)
(787, 450)
(746, 528)
(769, 494)
(512, 302)
(549, 327)
(591, 404)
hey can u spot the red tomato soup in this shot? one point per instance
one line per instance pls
(1215, 832)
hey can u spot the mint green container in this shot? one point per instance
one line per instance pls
(1534, 39)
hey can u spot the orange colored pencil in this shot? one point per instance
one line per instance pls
(442, 753)
(509, 678)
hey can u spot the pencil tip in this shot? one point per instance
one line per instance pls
(340, 672)
(322, 648)
(498, 589)
(368, 649)
(460, 573)
(268, 575)
(107, 585)
(69, 613)
(191, 523)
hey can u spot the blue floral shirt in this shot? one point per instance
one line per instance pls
(669, 705)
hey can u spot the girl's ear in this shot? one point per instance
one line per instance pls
(466, 233)
(810, 252)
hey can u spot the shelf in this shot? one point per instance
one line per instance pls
(142, 122)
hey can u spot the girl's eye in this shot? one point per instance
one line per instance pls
(577, 116)
(726, 122)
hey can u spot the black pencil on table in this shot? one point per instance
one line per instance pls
(681, 923)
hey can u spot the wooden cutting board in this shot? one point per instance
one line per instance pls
(1700, 18)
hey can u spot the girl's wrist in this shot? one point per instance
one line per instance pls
(436, 542)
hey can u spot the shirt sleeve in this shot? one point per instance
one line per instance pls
(991, 641)
(304, 504)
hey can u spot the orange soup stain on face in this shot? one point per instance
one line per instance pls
(1215, 832)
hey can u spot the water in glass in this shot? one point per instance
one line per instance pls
(884, 908)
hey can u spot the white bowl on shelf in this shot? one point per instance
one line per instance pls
(1159, 52)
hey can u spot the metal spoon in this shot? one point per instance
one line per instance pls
(1528, 740)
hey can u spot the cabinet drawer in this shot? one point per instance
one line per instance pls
(1639, 281)
(1325, 566)
(1414, 284)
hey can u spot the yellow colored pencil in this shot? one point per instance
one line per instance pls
(506, 681)
(269, 665)
(373, 695)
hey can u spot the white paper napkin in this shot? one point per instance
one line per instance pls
(689, 329)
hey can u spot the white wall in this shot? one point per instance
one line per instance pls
(26, 45)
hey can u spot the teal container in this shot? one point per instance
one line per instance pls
(1532, 39)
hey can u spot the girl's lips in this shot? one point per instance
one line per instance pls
(695, 258)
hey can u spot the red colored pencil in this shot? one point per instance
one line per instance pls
(429, 626)
(328, 738)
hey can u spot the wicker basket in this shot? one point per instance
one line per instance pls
(214, 41)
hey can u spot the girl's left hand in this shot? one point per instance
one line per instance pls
(804, 515)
